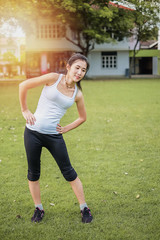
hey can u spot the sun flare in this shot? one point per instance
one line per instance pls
(9, 30)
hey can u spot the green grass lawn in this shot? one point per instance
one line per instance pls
(116, 154)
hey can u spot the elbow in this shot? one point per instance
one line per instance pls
(23, 86)
(83, 119)
(20, 85)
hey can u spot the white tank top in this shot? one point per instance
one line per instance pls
(51, 108)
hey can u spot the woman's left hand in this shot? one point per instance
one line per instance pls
(60, 129)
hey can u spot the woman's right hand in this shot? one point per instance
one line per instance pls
(30, 118)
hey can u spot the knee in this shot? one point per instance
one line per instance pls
(33, 176)
(69, 174)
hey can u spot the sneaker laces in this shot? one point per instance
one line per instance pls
(37, 212)
(86, 212)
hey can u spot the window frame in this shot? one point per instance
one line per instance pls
(109, 60)
(50, 31)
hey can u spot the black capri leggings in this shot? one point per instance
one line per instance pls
(34, 141)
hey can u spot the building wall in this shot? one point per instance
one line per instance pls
(132, 43)
(158, 65)
(96, 69)
(38, 63)
(158, 59)
(50, 45)
(155, 66)
(159, 39)
(47, 44)
(114, 46)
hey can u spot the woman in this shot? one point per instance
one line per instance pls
(43, 128)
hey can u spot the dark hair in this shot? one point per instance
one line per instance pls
(78, 56)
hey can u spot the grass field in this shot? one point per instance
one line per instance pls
(116, 154)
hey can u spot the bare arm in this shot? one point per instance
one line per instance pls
(82, 115)
(46, 79)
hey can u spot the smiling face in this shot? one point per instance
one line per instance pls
(77, 70)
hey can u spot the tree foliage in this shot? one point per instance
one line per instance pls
(95, 22)
(145, 18)
(10, 57)
(92, 21)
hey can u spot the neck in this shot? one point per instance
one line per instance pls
(69, 83)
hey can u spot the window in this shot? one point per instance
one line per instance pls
(54, 31)
(48, 31)
(42, 32)
(109, 59)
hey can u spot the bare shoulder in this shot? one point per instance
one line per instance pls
(79, 95)
(51, 78)
(46, 79)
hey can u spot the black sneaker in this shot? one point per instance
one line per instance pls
(86, 215)
(38, 215)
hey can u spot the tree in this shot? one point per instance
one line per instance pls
(96, 22)
(92, 21)
(145, 17)
(11, 60)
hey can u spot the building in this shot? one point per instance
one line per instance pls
(109, 60)
(147, 60)
(47, 50)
